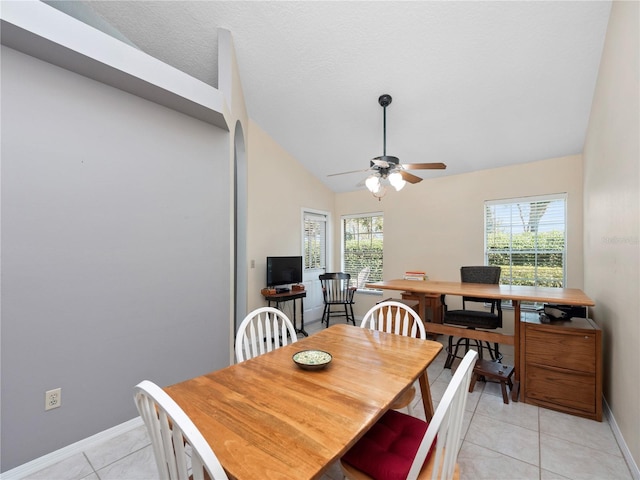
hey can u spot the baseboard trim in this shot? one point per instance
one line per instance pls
(52, 458)
(626, 453)
(86, 443)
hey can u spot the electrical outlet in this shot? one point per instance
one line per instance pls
(52, 398)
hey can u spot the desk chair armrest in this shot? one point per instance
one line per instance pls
(444, 304)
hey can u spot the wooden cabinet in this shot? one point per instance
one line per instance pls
(562, 366)
(432, 308)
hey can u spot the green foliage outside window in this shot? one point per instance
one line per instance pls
(528, 258)
(362, 246)
(357, 257)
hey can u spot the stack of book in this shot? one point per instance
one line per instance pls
(413, 275)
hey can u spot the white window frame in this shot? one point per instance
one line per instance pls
(513, 223)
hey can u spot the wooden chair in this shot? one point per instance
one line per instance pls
(171, 431)
(395, 317)
(263, 330)
(399, 446)
(471, 318)
(337, 291)
(363, 276)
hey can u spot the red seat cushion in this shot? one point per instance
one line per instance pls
(387, 450)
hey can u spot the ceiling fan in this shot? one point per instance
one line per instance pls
(388, 166)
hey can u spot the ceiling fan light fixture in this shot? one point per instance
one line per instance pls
(396, 180)
(373, 183)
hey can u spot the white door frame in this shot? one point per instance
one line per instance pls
(313, 303)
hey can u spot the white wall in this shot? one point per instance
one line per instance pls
(115, 252)
(612, 217)
(437, 225)
(279, 188)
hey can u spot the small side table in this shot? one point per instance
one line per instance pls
(279, 298)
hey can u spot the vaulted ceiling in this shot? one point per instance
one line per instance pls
(475, 85)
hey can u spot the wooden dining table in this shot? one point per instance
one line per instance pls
(515, 293)
(266, 418)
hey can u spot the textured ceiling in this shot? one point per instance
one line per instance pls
(475, 85)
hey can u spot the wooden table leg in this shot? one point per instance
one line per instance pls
(422, 306)
(425, 390)
(515, 391)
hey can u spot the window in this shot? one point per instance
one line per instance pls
(315, 240)
(362, 237)
(527, 238)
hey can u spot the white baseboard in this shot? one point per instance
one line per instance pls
(52, 458)
(626, 453)
(84, 444)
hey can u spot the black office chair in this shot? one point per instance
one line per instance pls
(475, 319)
(337, 291)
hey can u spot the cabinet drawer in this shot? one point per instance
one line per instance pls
(575, 351)
(561, 388)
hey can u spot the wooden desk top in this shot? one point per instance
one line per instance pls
(266, 418)
(565, 296)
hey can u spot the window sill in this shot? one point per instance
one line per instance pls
(369, 291)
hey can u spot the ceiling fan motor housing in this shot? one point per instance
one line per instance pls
(384, 164)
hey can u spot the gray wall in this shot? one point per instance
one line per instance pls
(115, 253)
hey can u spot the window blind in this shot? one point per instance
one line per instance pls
(362, 246)
(526, 237)
(315, 240)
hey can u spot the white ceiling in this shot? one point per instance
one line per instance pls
(475, 84)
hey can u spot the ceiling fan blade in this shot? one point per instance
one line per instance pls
(410, 177)
(424, 166)
(345, 173)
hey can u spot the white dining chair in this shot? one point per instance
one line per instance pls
(402, 446)
(395, 317)
(263, 330)
(171, 431)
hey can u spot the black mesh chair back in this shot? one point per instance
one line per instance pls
(337, 291)
(474, 314)
(482, 274)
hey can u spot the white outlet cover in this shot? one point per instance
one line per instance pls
(52, 398)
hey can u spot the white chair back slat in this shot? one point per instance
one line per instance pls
(263, 330)
(253, 337)
(446, 424)
(405, 321)
(197, 469)
(171, 430)
(180, 454)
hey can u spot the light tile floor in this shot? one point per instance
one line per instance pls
(511, 442)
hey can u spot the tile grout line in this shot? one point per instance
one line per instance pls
(91, 465)
(539, 446)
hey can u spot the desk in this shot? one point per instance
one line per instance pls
(515, 293)
(267, 418)
(279, 298)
